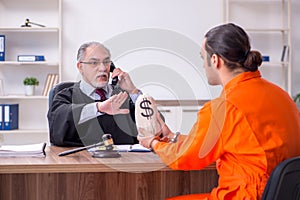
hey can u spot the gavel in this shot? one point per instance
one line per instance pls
(107, 143)
(27, 24)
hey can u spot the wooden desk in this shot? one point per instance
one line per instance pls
(79, 176)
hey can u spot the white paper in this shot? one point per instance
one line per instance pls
(22, 150)
(132, 148)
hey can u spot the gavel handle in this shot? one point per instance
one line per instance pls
(80, 149)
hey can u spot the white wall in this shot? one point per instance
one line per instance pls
(157, 42)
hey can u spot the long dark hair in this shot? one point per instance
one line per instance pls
(232, 44)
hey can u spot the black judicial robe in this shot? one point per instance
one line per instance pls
(64, 114)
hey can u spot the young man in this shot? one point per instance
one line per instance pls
(247, 131)
(81, 114)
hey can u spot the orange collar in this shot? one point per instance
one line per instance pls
(240, 78)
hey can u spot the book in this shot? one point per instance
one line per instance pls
(2, 47)
(284, 54)
(10, 116)
(30, 58)
(27, 150)
(1, 117)
(46, 85)
(266, 58)
(55, 81)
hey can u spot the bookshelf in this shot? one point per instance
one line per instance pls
(268, 23)
(34, 40)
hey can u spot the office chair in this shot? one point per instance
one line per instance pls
(284, 182)
(58, 87)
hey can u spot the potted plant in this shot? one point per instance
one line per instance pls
(30, 83)
(297, 100)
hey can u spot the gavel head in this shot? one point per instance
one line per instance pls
(108, 141)
(26, 23)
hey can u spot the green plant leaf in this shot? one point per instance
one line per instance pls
(30, 81)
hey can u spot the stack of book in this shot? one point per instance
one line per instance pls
(51, 80)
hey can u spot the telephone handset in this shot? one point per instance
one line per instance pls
(116, 88)
(115, 79)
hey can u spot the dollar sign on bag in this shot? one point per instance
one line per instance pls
(145, 105)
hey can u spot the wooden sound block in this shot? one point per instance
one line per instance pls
(106, 154)
(146, 116)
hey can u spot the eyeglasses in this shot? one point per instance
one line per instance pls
(106, 63)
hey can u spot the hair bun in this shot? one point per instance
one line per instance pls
(253, 60)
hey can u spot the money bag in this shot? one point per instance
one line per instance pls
(146, 116)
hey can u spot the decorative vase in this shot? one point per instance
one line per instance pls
(29, 90)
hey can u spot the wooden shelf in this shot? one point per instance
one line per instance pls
(30, 29)
(188, 102)
(48, 63)
(258, 30)
(21, 96)
(24, 131)
(34, 40)
(268, 35)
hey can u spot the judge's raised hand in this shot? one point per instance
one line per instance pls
(112, 105)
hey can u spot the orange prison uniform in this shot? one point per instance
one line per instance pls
(248, 130)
